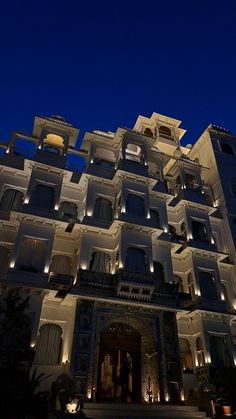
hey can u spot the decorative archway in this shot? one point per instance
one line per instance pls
(123, 341)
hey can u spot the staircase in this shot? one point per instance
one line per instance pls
(135, 411)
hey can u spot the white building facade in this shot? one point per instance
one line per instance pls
(130, 261)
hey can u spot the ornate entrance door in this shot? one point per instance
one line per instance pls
(119, 375)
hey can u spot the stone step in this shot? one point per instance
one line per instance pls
(125, 411)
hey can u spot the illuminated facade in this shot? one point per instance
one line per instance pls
(129, 263)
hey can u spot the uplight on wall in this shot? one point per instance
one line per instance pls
(208, 358)
(151, 267)
(12, 264)
(89, 213)
(165, 229)
(39, 147)
(120, 265)
(75, 280)
(91, 161)
(26, 200)
(46, 269)
(8, 150)
(182, 396)
(56, 207)
(212, 240)
(32, 345)
(123, 209)
(167, 397)
(222, 296)
(84, 266)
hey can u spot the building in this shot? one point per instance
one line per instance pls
(129, 263)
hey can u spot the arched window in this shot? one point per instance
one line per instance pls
(148, 132)
(226, 148)
(31, 255)
(68, 209)
(61, 264)
(103, 209)
(191, 182)
(100, 262)
(219, 351)
(134, 153)
(42, 197)
(159, 271)
(178, 280)
(200, 352)
(165, 131)
(135, 260)
(12, 200)
(185, 355)
(4, 261)
(199, 231)
(208, 285)
(53, 143)
(135, 205)
(49, 342)
(155, 219)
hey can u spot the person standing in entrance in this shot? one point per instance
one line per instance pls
(124, 379)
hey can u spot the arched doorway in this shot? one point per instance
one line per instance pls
(119, 369)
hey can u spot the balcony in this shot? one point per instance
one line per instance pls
(133, 167)
(192, 196)
(101, 170)
(89, 279)
(134, 286)
(60, 281)
(50, 159)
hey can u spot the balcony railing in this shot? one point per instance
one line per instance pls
(60, 281)
(95, 279)
(134, 285)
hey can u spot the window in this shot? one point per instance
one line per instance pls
(191, 182)
(159, 271)
(165, 131)
(148, 132)
(200, 352)
(32, 255)
(135, 205)
(135, 260)
(219, 350)
(185, 355)
(42, 197)
(199, 231)
(178, 280)
(12, 200)
(49, 343)
(103, 209)
(68, 209)
(208, 285)
(226, 148)
(61, 264)
(155, 219)
(100, 262)
(134, 153)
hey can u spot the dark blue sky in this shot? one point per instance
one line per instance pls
(100, 64)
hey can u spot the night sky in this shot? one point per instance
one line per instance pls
(100, 64)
